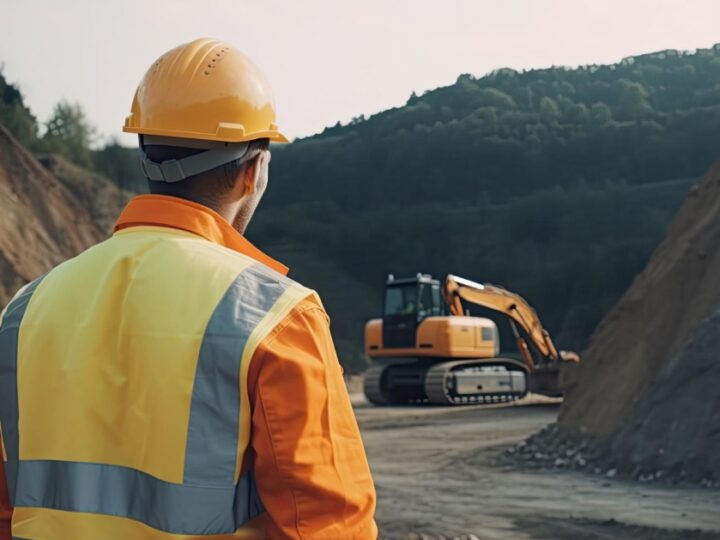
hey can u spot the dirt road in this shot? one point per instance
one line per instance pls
(435, 476)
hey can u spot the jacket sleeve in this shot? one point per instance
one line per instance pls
(310, 465)
(5, 508)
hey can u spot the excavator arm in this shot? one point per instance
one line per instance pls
(514, 307)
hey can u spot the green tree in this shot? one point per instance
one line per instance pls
(69, 134)
(634, 101)
(14, 115)
(577, 113)
(492, 97)
(549, 111)
(600, 113)
(122, 165)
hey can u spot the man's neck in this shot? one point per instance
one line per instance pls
(230, 211)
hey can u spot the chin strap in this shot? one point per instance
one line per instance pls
(173, 170)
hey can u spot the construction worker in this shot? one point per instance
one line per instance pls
(171, 383)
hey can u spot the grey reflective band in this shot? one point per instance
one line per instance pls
(9, 332)
(120, 491)
(212, 440)
(174, 170)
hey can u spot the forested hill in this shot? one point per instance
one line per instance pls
(557, 183)
(646, 119)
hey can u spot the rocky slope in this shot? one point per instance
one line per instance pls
(648, 389)
(43, 221)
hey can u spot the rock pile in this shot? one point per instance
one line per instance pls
(646, 396)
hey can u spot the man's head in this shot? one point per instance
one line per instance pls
(233, 189)
(206, 115)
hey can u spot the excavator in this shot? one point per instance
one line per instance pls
(427, 349)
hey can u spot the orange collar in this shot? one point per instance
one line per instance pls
(164, 211)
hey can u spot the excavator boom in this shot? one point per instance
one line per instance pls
(509, 304)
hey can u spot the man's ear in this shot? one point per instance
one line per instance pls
(251, 171)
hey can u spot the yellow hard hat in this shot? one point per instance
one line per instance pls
(204, 90)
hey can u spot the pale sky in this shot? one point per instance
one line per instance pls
(328, 60)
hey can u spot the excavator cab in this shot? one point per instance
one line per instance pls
(408, 302)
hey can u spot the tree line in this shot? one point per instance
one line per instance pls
(557, 183)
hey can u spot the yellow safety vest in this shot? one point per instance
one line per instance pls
(123, 389)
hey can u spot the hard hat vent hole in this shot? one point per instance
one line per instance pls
(215, 59)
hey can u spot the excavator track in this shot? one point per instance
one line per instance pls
(395, 384)
(459, 382)
(372, 385)
(451, 383)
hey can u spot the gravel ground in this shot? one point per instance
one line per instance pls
(439, 474)
(552, 450)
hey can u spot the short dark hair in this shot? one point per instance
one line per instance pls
(210, 184)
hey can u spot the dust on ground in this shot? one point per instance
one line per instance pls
(437, 476)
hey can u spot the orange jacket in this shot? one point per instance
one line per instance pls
(306, 451)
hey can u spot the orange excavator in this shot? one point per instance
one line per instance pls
(428, 349)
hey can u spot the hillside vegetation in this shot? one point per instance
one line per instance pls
(646, 119)
(557, 183)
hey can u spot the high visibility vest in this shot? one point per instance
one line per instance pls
(123, 389)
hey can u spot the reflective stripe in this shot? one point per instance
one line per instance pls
(9, 332)
(212, 441)
(119, 491)
(290, 298)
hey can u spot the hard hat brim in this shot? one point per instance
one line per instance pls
(223, 135)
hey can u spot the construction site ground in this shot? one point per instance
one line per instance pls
(437, 476)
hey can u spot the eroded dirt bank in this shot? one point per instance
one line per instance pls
(437, 475)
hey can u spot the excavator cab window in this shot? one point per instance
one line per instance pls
(407, 303)
(400, 314)
(417, 298)
(401, 300)
(429, 300)
(437, 300)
